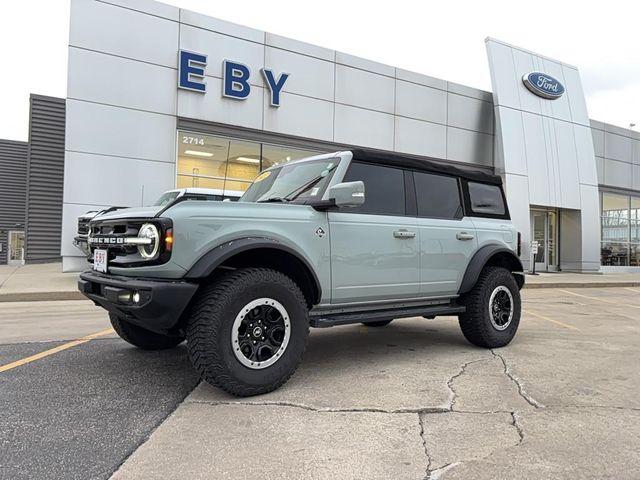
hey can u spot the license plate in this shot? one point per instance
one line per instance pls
(100, 260)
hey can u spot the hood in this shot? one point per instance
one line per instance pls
(240, 210)
(137, 212)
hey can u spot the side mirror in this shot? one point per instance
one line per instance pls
(347, 194)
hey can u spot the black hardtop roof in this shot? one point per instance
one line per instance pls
(426, 165)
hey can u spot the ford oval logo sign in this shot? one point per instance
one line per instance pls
(543, 85)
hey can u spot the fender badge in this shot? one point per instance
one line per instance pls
(320, 232)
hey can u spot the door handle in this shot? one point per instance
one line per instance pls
(404, 233)
(464, 236)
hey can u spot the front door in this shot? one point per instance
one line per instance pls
(373, 257)
(375, 248)
(16, 248)
(544, 231)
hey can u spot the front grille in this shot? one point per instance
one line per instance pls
(110, 235)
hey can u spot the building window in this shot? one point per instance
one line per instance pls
(634, 243)
(278, 154)
(227, 165)
(620, 220)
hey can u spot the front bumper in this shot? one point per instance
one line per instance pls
(161, 302)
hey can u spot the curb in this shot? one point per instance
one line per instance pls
(582, 285)
(41, 296)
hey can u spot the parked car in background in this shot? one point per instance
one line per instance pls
(167, 198)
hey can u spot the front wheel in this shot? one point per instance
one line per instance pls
(493, 309)
(248, 330)
(142, 338)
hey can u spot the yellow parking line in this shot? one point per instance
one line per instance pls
(601, 299)
(557, 322)
(51, 351)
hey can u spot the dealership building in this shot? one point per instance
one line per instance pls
(160, 97)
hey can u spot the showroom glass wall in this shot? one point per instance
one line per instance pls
(228, 165)
(620, 216)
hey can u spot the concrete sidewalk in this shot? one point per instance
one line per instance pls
(44, 282)
(579, 280)
(38, 282)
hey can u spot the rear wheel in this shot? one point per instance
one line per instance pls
(380, 323)
(493, 309)
(142, 338)
(247, 332)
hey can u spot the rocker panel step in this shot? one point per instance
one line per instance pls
(320, 320)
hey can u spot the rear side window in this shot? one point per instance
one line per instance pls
(486, 199)
(438, 196)
(383, 188)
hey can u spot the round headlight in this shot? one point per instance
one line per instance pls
(150, 249)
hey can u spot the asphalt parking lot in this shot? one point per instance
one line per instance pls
(411, 400)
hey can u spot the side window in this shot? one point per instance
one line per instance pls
(486, 199)
(383, 187)
(438, 196)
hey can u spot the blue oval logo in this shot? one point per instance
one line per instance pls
(543, 85)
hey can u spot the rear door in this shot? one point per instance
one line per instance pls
(374, 247)
(447, 238)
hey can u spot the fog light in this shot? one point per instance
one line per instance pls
(124, 297)
(136, 297)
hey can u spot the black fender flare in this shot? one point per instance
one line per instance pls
(480, 259)
(215, 257)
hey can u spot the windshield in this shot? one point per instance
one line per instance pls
(166, 198)
(294, 181)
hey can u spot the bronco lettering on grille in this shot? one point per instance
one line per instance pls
(107, 240)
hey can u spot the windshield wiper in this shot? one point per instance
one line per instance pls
(300, 190)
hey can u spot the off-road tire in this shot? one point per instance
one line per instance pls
(210, 325)
(476, 323)
(142, 338)
(379, 323)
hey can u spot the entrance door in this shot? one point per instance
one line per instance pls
(16, 248)
(544, 230)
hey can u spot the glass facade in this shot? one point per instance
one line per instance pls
(228, 165)
(620, 220)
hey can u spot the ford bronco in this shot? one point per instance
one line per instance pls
(342, 238)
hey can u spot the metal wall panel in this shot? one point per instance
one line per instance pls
(617, 153)
(558, 162)
(45, 175)
(13, 190)
(146, 87)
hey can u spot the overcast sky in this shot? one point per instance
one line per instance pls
(444, 39)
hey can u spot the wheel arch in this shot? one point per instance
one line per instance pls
(260, 252)
(491, 255)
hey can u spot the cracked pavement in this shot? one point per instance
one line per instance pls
(413, 400)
